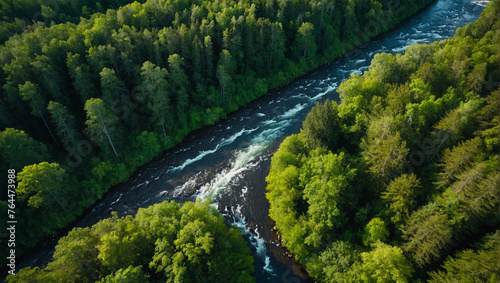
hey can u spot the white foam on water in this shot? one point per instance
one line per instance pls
(481, 3)
(400, 49)
(267, 265)
(255, 239)
(185, 149)
(260, 114)
(330, 88)
(292, 112)
(359, 61)
(268, 122)
(300, 95)
(222, 180)
(202, 154)
(191, 183)
(268, 135)
(410, 42)
(243, 158)
(359, 71)
(433, 35)
(244, 191)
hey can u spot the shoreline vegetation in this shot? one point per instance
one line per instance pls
(166, 242)
(400, 181)
(83, 105)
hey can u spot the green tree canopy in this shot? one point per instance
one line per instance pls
(18, 149)
(165, 242)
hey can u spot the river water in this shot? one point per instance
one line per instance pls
(228, 162)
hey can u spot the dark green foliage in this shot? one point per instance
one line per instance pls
(400, 196)
(47, 195)
(320, 128)
(63, 122)
(471, 265)
(17, 150)
(409, 157)
(335, 262)
(17, 15)
(101, 123)
(166, 242)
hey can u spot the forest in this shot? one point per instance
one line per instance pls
(19, 15)
(400, 182)
(166, 242)
(92, 91)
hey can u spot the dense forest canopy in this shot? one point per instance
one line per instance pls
(18, 15)
(167, 242)
(87, 98)
(400, 181)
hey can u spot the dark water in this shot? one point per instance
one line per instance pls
(229, 161)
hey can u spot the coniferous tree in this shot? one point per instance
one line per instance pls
(155, 88)
(30, 92)
(101, 123)
(179, 82)
(63, 122)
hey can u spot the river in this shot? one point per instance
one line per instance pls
(228, 162)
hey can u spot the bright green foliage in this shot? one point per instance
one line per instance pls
(326, 178)
(375, 231)
(28, 273)
(42, 185)
(400, 196)
(17, 15)
(96, 76)
(384, 263)
(308, 193)
(387, 158)
(409, 157)
(129, 275)
(166, 242)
